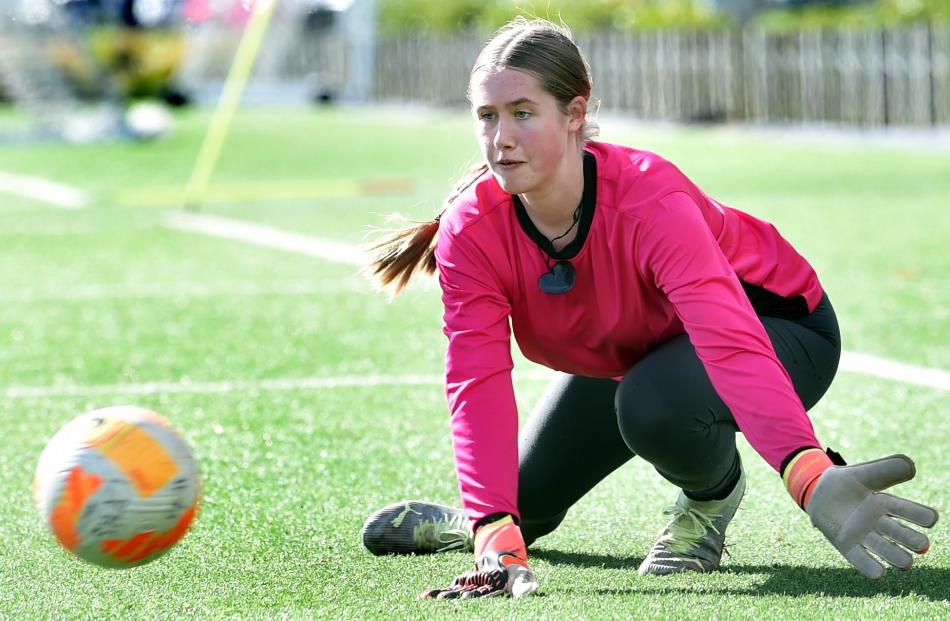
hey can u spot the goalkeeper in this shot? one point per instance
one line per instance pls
(674, 321)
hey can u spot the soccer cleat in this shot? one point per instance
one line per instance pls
(417, 527)
(694, 538)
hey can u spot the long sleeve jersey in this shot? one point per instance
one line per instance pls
(655, 257)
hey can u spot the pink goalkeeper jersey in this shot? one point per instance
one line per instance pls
(660, 258)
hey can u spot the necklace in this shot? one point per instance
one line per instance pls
(560, 276)
(575, 217)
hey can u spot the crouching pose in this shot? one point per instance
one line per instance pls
(674, 322)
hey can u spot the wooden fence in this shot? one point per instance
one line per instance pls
(897, 76)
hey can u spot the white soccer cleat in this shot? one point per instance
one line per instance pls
(694, 538)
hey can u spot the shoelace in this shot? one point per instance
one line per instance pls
(686, 529)
(443, 535)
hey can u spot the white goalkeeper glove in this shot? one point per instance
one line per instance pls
(848, 505)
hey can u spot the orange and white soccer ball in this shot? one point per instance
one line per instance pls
(118, 486)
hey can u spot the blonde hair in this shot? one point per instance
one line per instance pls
(537, 46)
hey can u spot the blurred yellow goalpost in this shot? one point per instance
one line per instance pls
(224, 112)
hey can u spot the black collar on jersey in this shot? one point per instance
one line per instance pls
(587, 206)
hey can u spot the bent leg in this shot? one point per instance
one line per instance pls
(670, 414)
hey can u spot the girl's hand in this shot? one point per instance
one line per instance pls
(501, 566)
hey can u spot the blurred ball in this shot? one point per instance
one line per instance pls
(118, 486)
(148, 120)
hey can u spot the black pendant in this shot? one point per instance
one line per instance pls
(559, 279)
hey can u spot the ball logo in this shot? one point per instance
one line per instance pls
(100, 429)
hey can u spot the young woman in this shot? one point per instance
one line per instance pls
(674, 320)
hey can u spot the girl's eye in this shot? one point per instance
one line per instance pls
(486, 116)
(522, 114)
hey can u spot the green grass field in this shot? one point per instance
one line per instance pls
(107, 305)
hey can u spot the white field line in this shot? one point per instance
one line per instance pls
(293, 242)
(264, 385)
(67, 197)
(43, 190)
(850, 362)
(241, 230)
(170, 291)
(866, 364)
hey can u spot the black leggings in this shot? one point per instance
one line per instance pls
(583, 428)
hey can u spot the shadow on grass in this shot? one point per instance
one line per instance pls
(583, 559)
(932, 583)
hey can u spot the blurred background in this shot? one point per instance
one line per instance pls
(311, 400)
(75, 68)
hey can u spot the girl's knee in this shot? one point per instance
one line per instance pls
(644, 412)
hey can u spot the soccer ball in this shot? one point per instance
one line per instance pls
(117, 486)
(148, 121)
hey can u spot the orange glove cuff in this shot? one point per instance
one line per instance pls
(803, 472)
(503, 539)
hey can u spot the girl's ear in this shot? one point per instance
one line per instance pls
(576, 113)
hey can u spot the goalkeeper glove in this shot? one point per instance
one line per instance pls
(501, 565)
(848, 505)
